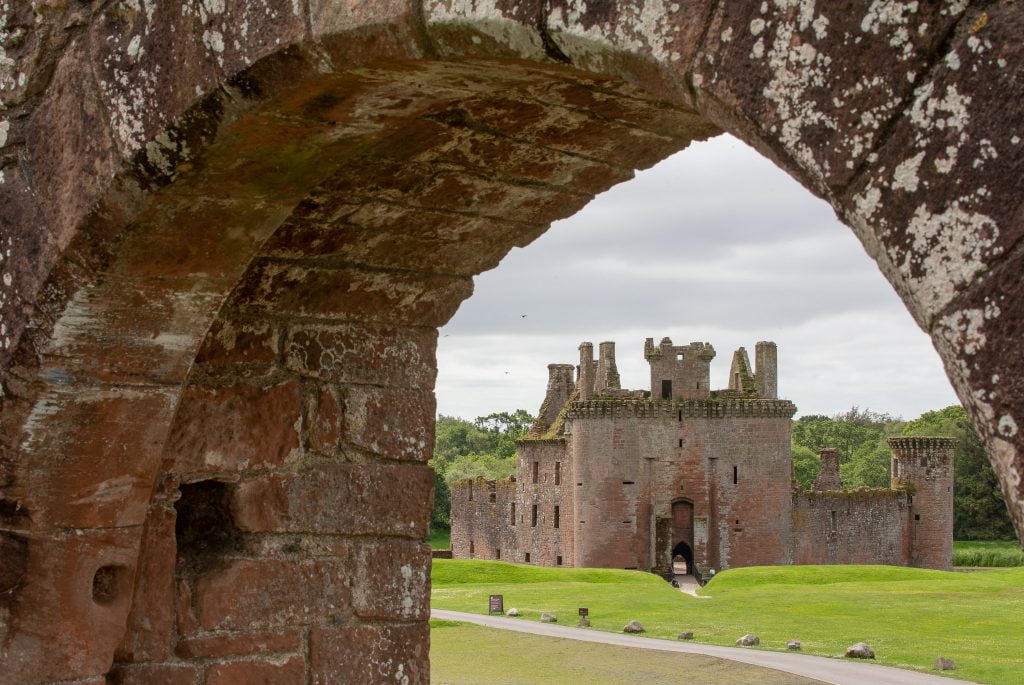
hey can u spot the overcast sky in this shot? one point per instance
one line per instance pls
(714, 244)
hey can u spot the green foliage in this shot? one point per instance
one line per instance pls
(805, 465)
(987, 553)
(484, 447)
(908, 615)
(864, 461)
(979, 509)
(858, 434)
(440, 539)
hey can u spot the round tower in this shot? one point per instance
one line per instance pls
(924, 466)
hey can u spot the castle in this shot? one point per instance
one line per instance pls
(615, 478)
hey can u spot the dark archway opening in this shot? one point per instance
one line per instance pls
(682, 559)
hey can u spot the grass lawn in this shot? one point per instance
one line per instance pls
(462, 653)
(440, 539)
(987, 553)
(908, 616)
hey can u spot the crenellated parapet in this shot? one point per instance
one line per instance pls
(587, 409)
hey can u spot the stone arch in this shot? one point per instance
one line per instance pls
(233, 229)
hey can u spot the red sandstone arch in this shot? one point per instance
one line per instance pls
(231, 229)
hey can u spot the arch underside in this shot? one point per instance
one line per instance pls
(238, 330)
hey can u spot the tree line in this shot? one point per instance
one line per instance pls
(485, 447)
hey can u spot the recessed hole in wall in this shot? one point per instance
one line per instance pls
(11, 512)
(205, 529)
(108, 583)
(13, 562)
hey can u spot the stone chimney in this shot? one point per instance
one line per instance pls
(766, 370)
(828, 477)
(560, 388)
(586, 382)
(607, 372)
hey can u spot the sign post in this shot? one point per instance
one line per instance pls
(584, 612)
(496, 605)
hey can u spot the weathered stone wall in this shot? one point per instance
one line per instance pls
(554, 488)
(926, 464)
(481, 515)
(852, 527)
(304, 191)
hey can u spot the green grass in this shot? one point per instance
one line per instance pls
(909, 616)
(462, 653)
(994, 553)
(440, 539)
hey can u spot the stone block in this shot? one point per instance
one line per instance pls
(392, 581)
(395, 424)
(364, 354)
(131, 331)
(254, 594)
(71, 608)
(153, 674)
(235, 427)
(72, 153)
(371, 654)
(108, 442)
(269, 671)
(150, 626)
(352, 294)
(347, 499)
(231, 342)
(780, 73)
(217, 646)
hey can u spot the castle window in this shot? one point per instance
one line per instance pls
(558, 473)
(679, 356)
(680, 414)
(834, 522)
(680, 442)
(497, 553)
(471, 546)
(666, 390)
(471, 491)
(536, 471)
(533, 517)
(513, 506)
(556, 517)
(527, 557)
(917, 517)
(558, 561)
(735, 475)
(493, 497)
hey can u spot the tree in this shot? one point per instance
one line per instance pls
(859, 435)
(484, 447)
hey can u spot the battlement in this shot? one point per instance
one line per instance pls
(913, 443)
(710, 408)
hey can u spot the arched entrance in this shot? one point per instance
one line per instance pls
(230, 233)
(682, 559)
(682, 534)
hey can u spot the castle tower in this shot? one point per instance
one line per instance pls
(766, 371)
(828, 476)
(607, 373)
(924, 465)
(586, 381)
(560, 388)
(679, 372)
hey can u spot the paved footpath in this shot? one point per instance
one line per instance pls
(836, 671)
